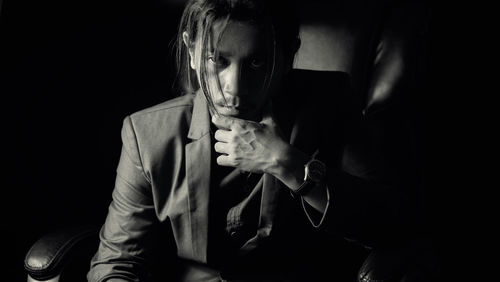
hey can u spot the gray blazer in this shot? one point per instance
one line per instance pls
(163, 180)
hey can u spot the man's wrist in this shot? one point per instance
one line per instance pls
(289, 166)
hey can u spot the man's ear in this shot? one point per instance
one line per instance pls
(190, 47)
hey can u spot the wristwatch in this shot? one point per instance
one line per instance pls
(314, 173)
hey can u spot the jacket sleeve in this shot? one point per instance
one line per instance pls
(125, 238)
(363, 211)
(372, 181)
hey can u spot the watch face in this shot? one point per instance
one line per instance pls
(316, 171)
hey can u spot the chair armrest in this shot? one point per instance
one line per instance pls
(383, 266)
(413, 261)
(49, 256)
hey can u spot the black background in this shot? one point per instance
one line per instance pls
(72, 70)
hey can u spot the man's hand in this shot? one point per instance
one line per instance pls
(258, 147)
(248, 145)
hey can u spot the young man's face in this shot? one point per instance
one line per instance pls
(241, 69)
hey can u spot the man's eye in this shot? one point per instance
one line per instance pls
(257, 63)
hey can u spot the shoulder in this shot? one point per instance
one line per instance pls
(170, 113)
(331, 78)
(319, 84)
(168, 108)
(327, 92)
(159, 123)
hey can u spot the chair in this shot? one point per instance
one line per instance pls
(383, 47)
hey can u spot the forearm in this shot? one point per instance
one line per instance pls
(365, 211)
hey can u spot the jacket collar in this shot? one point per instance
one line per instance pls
(200, 120)
(198, 160)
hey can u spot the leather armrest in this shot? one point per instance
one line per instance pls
(383, 266)
(48, 257)
(414, 261)
(399, 58)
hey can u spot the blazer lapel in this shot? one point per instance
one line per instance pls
(198, 160)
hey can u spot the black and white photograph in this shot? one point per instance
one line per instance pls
(220, 140)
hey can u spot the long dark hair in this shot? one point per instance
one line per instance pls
(276, 16)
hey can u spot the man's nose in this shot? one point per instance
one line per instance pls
(233, 81)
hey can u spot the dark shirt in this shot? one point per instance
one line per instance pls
(234, 210)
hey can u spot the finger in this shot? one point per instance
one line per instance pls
(224, 160)
(222, 122)
(223, 135)
(221, 148)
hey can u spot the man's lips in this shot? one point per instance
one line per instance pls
(231, 110)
